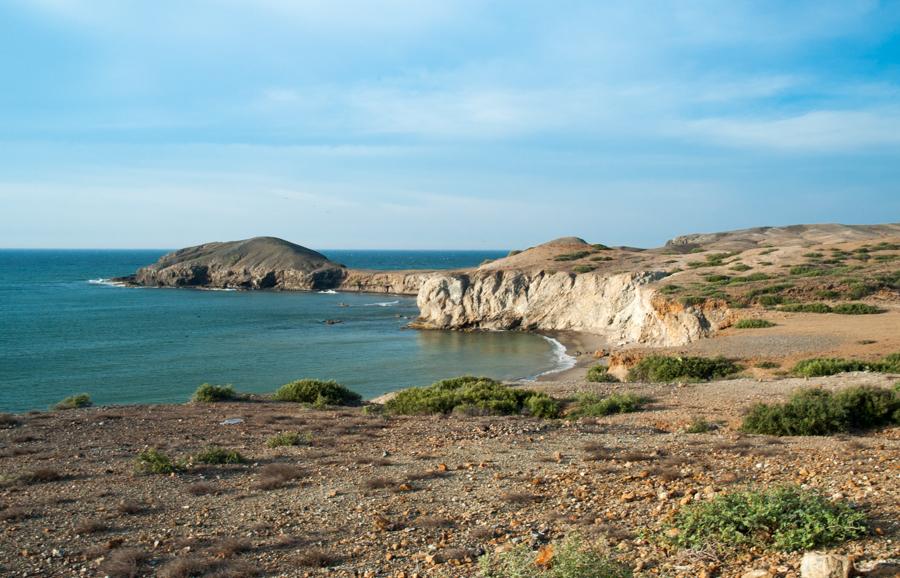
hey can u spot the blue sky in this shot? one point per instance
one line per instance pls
(432, 124)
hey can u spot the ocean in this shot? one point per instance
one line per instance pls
(64, 331)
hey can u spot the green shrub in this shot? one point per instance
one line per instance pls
(572, 256)
(153, 461)
(867, 406)
(289, 438)
(209, 393)
(477, 394)
(663, 368)
(787, 519)
(698, 425)
(810, 412)
(819, 412)
(600, 374)
(600, 247)
(74, 402)
(317, 392)
(542, 406)
(856, 309)
(669, 289)
(770, 300)
(692, 300)
(807, 308)
(768, 365)
(750, 278)
(753, 324)
(583, 268)
(571, 559)
(822, 366)
(215, 455)
(740, 267)
(589, 405)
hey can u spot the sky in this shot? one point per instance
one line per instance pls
(431, 124)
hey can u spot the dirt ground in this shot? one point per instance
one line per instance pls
(414, 496)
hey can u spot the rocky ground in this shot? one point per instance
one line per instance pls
(414, 496)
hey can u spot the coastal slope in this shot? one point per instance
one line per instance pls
(667, 296)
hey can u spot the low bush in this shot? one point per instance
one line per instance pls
(583, 268)
(215, 455)
(317, 392)
(208, 393)
(74, 402)
(822, 366)
(768, 365)
(770, 300)
(572, 256)
(289, 438)
(663, 368)
(698, 425)
(820, 412)
(480, 394)
(856, 309)
(589, 405)
(753, 324)
(787, 519)
(807, 308)
(570, 558)
(153, 461)
(600, 374)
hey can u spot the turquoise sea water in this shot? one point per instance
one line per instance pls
(62, 334)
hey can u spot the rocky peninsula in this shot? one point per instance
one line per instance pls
(667, 296)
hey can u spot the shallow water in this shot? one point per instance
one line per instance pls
(61, 334)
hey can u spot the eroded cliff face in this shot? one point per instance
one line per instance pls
(623, 307)
(394, 282)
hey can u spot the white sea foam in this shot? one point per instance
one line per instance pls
(564, 361)
(108, 282)
(328, 292)
(382, 304)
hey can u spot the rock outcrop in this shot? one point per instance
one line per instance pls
(624, 307)
(258, 263)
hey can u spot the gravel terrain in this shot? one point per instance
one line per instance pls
(413, 496)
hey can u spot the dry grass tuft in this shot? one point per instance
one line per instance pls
(123, 563)
(274, 476)
(14, 513)
(317, 558)
(41, 476)
(230, 547)
(91, 526)
(197, 566)
(130, 507)
(378, 483)
(201, 488)
(433, 522)
(520, 498)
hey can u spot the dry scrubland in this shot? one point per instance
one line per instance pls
(364, 494)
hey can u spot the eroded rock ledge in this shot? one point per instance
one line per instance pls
(622, 307)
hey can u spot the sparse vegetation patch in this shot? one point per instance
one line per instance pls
(570, 558)
(820, 412)
(153, 461)
(658, 368)
(785, 519)
(317, 392)
(601, 374)
(589, 405)
(209, 393)
(473, 395)
(216, 455)
(74, 402)
(753, 324)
